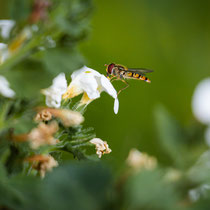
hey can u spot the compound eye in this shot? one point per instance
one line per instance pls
(110, 67)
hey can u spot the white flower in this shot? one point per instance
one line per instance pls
(91, 83)
(5, 27)
(55, 91)
(201, 101)
(5, 90)
(101, 147)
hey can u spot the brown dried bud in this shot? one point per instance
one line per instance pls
(43, 134)
(68, 117)
(42, 163)
(43, 115)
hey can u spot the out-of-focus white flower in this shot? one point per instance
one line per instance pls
(194, 195)
(55, 91)
(5, 27)
(201, 101)
(3, 52)
(139, 160)
(91, 83)
(5, 90)
(200, 192)
(101, 147)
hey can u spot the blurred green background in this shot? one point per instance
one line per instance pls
(170, 37)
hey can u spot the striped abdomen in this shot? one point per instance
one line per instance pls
(132, 75)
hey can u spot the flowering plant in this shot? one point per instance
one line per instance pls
(51, 159)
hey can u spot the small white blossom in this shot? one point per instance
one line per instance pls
(55, 91)
(92, 84)
(201, 101)
(101, 147)
(5, 90)
(5, 27)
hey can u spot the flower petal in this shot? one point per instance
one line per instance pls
(6, 26)
(87, 82)
(82, 70)
(60, 83)
(55, 91)
(116, 105)
(201, 101)
(108, 87)
(53, 101)
(5, 90)
(4, 54)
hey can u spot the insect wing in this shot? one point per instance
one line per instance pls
(141, 71)
(138, 71)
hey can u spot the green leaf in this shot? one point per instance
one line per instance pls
(20, 10)
(200, 171)
(61, 59)
(83, 186)
(171, 136)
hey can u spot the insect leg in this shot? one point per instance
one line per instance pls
(127, 85)
(108, 76)
(114, 79)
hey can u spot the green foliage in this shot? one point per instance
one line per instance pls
(75, 186)
(148, 190)
(172, 136)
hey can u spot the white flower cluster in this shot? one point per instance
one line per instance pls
(85, 80)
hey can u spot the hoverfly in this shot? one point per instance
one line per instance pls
(120, 72)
